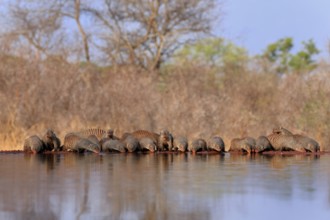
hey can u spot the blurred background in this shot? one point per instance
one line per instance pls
(197, 68)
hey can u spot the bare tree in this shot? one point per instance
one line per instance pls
(37, 24)
(146, 32)
(73, 9)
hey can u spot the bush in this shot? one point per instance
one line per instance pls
(187, 100)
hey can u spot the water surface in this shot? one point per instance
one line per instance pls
(164, 186)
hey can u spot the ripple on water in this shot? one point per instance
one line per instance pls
(164, 186)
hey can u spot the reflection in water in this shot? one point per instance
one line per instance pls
(163, 186)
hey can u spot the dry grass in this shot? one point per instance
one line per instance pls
(190, 100)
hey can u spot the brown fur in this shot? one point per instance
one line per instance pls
(98, 132)
(245, 144)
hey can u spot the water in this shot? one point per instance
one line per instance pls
(164, 186)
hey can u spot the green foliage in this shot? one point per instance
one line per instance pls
(215, 52)
(303, 59)
(279, 54)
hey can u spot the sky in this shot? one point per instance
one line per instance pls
(254, 24)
